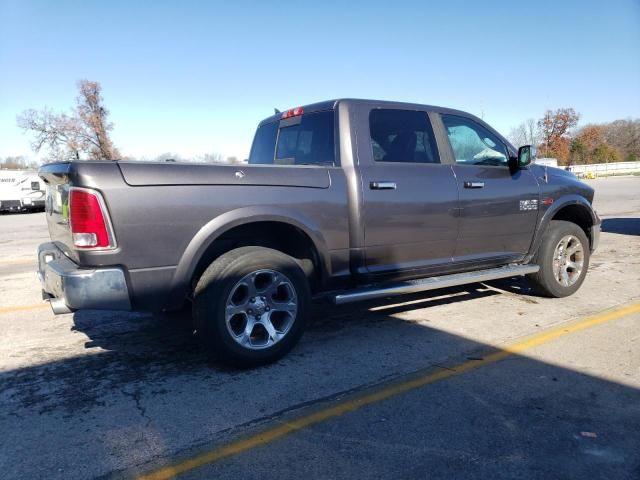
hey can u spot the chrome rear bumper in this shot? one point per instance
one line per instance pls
(69, 287)
(595, 237)
(594, 234)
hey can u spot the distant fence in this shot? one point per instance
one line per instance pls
(613, 168)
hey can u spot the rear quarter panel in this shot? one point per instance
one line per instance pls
(165, 215)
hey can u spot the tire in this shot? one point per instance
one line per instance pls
(243, 292)
(559, 239)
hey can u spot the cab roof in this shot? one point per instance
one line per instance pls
(332, 104)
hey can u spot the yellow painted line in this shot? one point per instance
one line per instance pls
(33, 261)
(20, 308)
(358, 402)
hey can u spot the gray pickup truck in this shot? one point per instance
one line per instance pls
(343, 200)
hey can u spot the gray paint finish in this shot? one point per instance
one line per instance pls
(166, 215)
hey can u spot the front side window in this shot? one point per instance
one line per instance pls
(308, 142)
(473, 144)
(402, 136)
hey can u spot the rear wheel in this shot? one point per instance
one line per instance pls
(563, 257)
(250, 306)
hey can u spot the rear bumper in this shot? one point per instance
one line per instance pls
(595, 237)
(595, 234)
(69, 287)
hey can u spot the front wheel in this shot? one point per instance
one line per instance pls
(563, 257)
(250, 306)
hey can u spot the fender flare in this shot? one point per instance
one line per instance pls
(558, 204)
(217, 226)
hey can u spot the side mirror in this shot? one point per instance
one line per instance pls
(526, 154)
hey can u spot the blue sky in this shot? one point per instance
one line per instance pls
(192, 77)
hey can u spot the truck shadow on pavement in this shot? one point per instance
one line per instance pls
(624, 226)
(148, 392)
(124, 349)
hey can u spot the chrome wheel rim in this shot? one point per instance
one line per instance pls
(568, 260)
(261, 309)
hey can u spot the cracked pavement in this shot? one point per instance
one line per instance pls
(94, 394)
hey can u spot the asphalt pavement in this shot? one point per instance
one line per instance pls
(481, 381)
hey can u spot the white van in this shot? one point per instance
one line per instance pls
(21, 190)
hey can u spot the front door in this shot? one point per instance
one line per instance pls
(409, 198)
(498, 208)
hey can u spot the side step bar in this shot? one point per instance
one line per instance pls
(431, 283)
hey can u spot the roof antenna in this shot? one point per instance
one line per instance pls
(276, 111)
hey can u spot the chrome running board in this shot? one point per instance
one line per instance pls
(431, 283)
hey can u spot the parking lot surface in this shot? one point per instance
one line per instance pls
(481, 381)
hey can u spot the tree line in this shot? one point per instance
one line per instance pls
(17, 162)
(85, 134)
(557, 135)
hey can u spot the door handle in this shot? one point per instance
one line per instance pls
(473, 184)
(383, 185)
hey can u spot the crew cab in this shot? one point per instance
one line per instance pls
(342, 200)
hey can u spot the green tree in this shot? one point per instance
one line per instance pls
(604, 153)
(577, 152)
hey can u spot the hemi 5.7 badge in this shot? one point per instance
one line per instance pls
(528, 204)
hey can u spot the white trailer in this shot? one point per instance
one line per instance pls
(547, 162)
(21, 190)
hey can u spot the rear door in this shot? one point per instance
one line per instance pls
(498, 208)
(409, 197)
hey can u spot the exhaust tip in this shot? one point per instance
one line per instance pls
(58, 306)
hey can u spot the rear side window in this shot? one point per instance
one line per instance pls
(473, 144)
(402, 136)
(264, 144)
(307, 142)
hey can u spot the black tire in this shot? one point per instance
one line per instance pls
(214, 290)
(544, 281)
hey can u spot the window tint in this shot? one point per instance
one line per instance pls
(264, 144)
(472, 144)
(402, 136)
(310, 142)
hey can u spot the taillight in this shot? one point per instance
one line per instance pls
(294, 112)
(88, 220)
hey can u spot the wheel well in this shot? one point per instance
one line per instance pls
(280, 236)
(576, 214)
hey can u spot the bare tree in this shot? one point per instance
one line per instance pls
(233, 160)
(524, 134)
(93, 113)
(84, 134)
(517, 135)
(532, 132)
(60, 133)
(17, 163)
(213, 157)
(625, 136)
(168, 157)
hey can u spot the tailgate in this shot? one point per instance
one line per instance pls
(56, 178)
